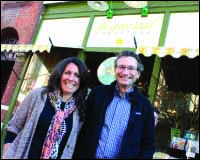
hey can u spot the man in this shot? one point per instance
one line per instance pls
(120, 120)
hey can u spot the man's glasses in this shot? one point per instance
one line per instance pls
(129, 68)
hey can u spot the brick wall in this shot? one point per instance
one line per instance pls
(23, 16)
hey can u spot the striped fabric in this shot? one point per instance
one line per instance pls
(18, 48)
(164, 51)
(115, 124)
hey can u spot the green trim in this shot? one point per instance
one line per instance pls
(81, 9)
(157, 64)
(100, 49)
(81, 55)
(89, 27)
(154, 79)
(37, 31)
(164, 29)
(14, 99)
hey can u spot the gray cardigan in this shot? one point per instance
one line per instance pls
(24, 122)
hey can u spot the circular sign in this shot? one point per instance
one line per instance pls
(105, 71)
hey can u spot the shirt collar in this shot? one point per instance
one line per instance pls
(126, 95)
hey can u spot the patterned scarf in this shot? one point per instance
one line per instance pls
(57, 128)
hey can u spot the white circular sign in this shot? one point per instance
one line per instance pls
(105, 71)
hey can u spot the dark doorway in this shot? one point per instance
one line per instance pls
(56, 55)
(145, 78)
(93, 60)
(6, 69)
(8, 36)
(181, 74)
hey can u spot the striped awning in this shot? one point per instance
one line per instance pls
(22, 48)
(163, 51)
(11, 51)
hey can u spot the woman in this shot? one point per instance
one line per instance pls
(46, 124)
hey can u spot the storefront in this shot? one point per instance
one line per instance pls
(166, 37)
(95, 36)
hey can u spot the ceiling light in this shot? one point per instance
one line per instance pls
(136, 4)
(98, 5)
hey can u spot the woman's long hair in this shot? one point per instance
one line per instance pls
(54, 82)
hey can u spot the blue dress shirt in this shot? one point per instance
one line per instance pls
(115, 124)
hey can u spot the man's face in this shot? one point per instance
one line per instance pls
(126, 72)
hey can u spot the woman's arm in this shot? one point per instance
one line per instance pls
(18, 120)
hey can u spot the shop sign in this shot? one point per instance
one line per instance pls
(120, 31)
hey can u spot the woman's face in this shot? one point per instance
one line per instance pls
(70, 80)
